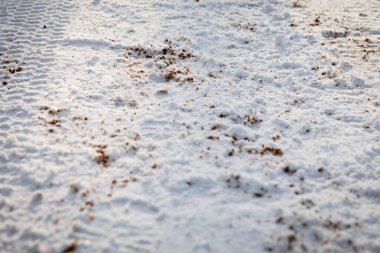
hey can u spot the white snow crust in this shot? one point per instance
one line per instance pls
(189, 126)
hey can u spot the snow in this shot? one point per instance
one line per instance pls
(189, 126)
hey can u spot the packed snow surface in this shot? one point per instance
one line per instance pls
(189, 126)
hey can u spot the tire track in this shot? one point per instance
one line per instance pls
(28, 30)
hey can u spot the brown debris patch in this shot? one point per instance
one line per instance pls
(280, 220)
(291, 239)
(273, 150)
(289, 171)
(215, 126)
(251, 120)
(55, 122)
(223, 115)
(367, 53)
(178, 75)
(12, 71)
(246, 26)
(89, 203)
(210, 74)
(332, 225)
(233, 181)
(102, 158)
(316, 21)
(50, 110)
(74, 189)
(172, 75)
(308, 203)
(71, 248)
(162, 60)
(213, 138)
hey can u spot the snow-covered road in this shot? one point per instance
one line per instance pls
(189, 126)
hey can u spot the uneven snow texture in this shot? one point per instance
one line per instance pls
(189, 126)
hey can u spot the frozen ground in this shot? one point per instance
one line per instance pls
(189, 126)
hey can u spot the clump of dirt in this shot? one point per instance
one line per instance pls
(273, 150)
(291, 239)
(316, 21)
(233, 181)
(55, 122)
(223, 115)
(102, 158)
(279, 220)
(74, 188)
(50, 110)
(71, 248)
(10, 67)
(14, 70)
(251, 120)
(246, 26)
(213, 138)
(247, 119)
(231, 152)
(172, 75)
(89, 203)
(215, 127)
(308, 203)
(258, 194)
(289, 171)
